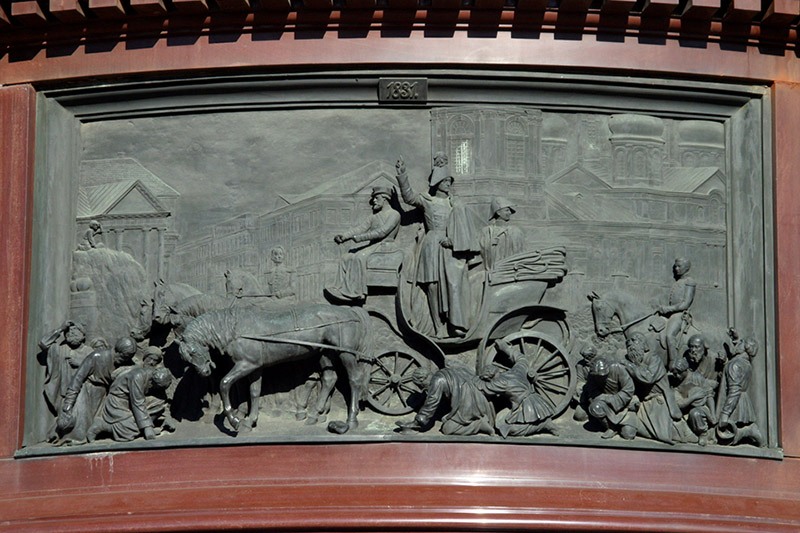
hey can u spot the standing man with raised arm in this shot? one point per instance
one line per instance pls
(441, 259)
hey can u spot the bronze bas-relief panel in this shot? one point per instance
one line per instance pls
(499, 257)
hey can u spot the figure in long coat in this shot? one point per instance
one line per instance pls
(131, 409)
(736, 413)
(500, 239)
(89, 386)
(377, 232)
(280, 279)
(63, 360)
(530, 412)
(658, 408)
(441, 258)
(470, 411)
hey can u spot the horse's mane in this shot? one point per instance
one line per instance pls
(200, 303)
(214, 329)
(176, 292)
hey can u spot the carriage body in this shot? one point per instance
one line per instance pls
(508, 305)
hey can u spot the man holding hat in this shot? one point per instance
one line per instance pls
(500, 239)
(381, 227)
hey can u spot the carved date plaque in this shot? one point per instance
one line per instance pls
(403, 90)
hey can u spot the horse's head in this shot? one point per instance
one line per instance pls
(142, 329)
(197, 355)
(161, 313)
(603, 314)
(241, 283)
(160, 306)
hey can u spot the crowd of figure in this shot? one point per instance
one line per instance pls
(704, 398)
(698, 396)
(95, 390)
(692, 392)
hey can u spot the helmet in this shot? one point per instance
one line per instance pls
(441, 171)
(499, 202)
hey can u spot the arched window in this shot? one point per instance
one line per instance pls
(515, 146)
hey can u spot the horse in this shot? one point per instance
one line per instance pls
(621, 312)
(151, 309)
(183, 312)
(258, 338)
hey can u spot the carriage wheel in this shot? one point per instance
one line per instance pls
(391, 389)
(546, 321)
(549, 369)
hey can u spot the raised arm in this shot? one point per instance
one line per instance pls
(408, 194)
(48, 340)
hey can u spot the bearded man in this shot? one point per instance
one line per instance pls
(63, 360)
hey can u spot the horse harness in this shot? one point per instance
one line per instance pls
(297, 328)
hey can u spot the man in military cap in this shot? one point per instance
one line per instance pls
(500, 238)
(378, 230)
(610, 404)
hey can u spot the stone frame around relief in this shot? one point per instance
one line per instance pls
(547, 109)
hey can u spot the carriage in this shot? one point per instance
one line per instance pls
(507, 305)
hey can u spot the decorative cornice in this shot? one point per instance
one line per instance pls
(25, 23)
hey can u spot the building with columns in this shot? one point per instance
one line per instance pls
(134, 208)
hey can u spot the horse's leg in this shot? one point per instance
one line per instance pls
(350, 362)
(327, 380)
(672, 334)
(239, 370)
(255, 395)
(354, 374)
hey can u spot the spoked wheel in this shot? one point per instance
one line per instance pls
(545, 321)
(549, 370)
(391, 389)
